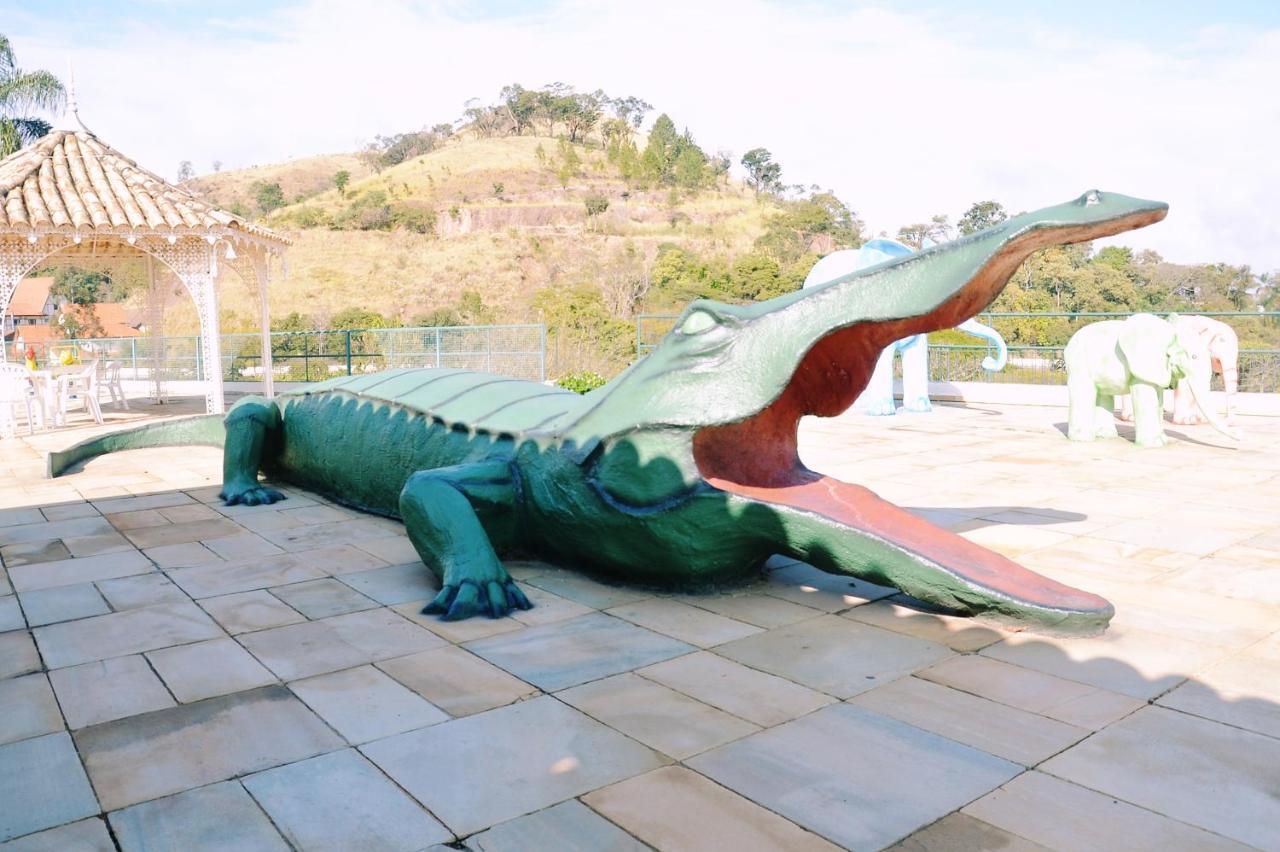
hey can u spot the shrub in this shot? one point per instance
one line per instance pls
(596, 204)
(581, 382)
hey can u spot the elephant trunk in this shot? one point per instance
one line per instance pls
(993, 337)
(1207, 411)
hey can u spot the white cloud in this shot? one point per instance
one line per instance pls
(903, 115)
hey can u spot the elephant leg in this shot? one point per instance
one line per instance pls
(1148, 415)
(1126, 408)
(1230, 382)
(915, 375)
(877, 398)
(1082, 396)
(1104, 418)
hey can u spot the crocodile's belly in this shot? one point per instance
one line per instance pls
(360, 452)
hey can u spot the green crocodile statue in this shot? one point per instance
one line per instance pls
(681, 472)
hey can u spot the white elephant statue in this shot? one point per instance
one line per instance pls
(878, 396)
(1142, 356)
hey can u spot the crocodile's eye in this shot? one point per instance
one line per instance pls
(697, 322)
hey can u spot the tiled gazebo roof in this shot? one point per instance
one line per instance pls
(70, 181)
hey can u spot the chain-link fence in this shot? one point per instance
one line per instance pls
(311, 356)
(1259, 334)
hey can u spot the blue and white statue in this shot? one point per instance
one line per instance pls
(878, 396)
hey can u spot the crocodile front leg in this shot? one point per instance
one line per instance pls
(253, 427)
(442, 510)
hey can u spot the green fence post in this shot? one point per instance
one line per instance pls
(348, 352)
(133, 356)
(437, 346)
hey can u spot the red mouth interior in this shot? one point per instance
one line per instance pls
(757, 458)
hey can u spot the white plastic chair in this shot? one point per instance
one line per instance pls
(79, 389)
(111, 381)
(16, 388)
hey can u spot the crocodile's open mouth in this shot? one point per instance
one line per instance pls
(757, 458)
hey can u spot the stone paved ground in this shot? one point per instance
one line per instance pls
(180, 675)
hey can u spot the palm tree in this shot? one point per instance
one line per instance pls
(21, 91)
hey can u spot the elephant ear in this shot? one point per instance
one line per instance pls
(1144, 341)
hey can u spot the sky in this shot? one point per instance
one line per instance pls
(904, 109)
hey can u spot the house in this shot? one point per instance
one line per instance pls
(31, 304)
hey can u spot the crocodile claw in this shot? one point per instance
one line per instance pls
(256, 495)
(466, 598)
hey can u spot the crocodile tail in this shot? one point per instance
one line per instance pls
(206, 429)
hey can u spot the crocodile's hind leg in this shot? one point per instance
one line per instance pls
(253, 427)
(451, 513)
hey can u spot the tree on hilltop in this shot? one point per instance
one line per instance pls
(763, 174)
(980, 216)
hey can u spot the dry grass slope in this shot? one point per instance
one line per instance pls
(504, 245)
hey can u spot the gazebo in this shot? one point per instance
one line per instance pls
(71, 195)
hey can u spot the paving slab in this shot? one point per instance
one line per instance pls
(322, 598)
(457, 681)
(751, 607)
(140, 590)
(205, 669)
(243, 545)
(62, 603)
(31, 552)
(187, 512)
(1133, 662)
(758, 697)
(247, 611)
(92, 545)
(161, 500)
(382, 633)
(539, 753)
(674, 808)
(961, 833)
(364, 704)
(997, 729)
(859, 779)
(585, 590)
(42, 785)
(120, 633)
(684, 622)
(567, 826)
(49, 530)
(186, 555)
(11, 614)
(30, 709)
(313, 536)
(1243, 691)
(183, 533)
(87, 835)
(338, 802)
(394, 584)
(222, 578)
(66, 572)
(661, 718)
(220, 816)
(302, 650)
(168, 751)
(394, 549)
(1065, 700)
(456, 632)
(835, 655)
(18, 654)
(805, 585)
(567, 653)
(102, 691)
(547, 607)
(1065, 816)
(1213, 776)
(957, 633)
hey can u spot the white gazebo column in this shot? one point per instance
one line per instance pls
(192, 260)
(262, 273)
